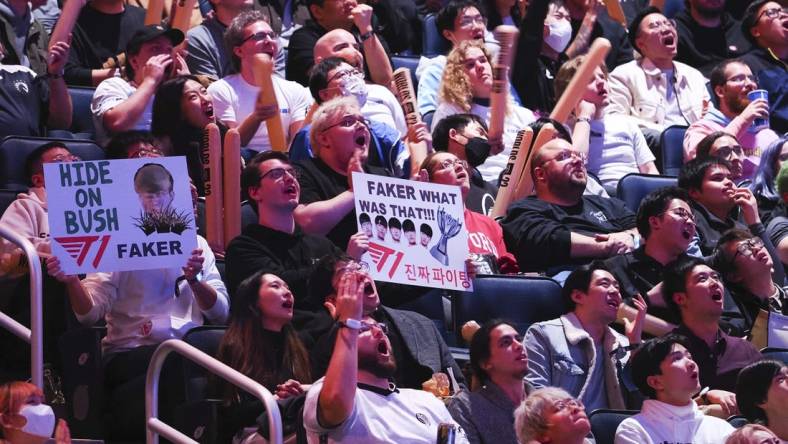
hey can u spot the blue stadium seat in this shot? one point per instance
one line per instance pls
(206, 338)
(738, 421)
(433, 42)
(779, 354)
(522, 300)
(633, 187)
(6, 197)
(407, 62)
(82, 117)
(14, 151)
(672, 147)
(604, 423)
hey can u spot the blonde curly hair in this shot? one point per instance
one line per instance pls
(455, 87)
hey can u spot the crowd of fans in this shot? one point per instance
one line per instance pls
(666, 306)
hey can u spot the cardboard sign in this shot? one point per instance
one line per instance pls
(416, 231)
(115, 215)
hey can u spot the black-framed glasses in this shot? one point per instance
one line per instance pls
(772, 13)
(344, 74)
(681, 213)
(726, 151)
(349, 122)
(279, 173)
(747, 248)
(260, 36)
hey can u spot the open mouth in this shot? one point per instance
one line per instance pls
(288, 303)
(694, 374)
(716, 296)
(478, 35)
(361, 140)
(290, 189)
(669, 40)
(613, 304)
(368, 289)
(209, 111)
(383, 348)
(687, 233)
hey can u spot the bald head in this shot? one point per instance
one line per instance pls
(339, 43)
(548, 151)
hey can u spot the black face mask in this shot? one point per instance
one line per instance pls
(476, 151)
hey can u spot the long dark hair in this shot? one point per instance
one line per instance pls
(247, 349)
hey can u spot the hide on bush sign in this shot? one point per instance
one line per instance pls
(114, 215)
(416, 231)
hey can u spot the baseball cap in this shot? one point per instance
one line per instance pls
(150, 32)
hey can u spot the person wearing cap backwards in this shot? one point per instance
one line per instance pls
(121, 105)
(765, 24)
(655, 89)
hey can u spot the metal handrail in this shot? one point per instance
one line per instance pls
(34, 334)
(155, 427)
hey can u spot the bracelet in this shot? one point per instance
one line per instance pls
(364, 37)
(583, 119)
(193, 280)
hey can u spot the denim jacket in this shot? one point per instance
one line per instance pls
(555, 349)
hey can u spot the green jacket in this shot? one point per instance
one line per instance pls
(35, 48)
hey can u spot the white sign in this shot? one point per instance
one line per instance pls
(416, 231)
(114, 215)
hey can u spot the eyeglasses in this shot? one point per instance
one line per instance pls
(682, 213)
(65, 158)
(145, 152)
(344, 74)
(451, 164)
(741, 78)
(348, 122)
(260, 36)
(471, 20)
(727, 151)
(772, 13)
(747, 248)
(367, 326)
(654, 26)
(567, 154)
(278, 173)
(567, 403)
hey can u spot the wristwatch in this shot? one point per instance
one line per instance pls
(364, 37)
(353, 324)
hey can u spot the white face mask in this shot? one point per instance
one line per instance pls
(40, 420)
(354, 86)
(560, 34)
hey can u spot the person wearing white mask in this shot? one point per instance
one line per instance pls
(545, 33)
(25, 419)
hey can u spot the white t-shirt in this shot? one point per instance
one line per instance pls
(404, 416)
(616, 147)
(234, 99)
(517, 119)
(108, 95)
(382, 106)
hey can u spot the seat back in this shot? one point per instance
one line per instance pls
(432, 41)
(82, 117)
(672, 147)
(778, 354)
(15, 149)
(633, 187)
(6, 197)
(522, 300)
(604, 423)
(83, 380)
(206, 338)
(738, 421)
(406, 62)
